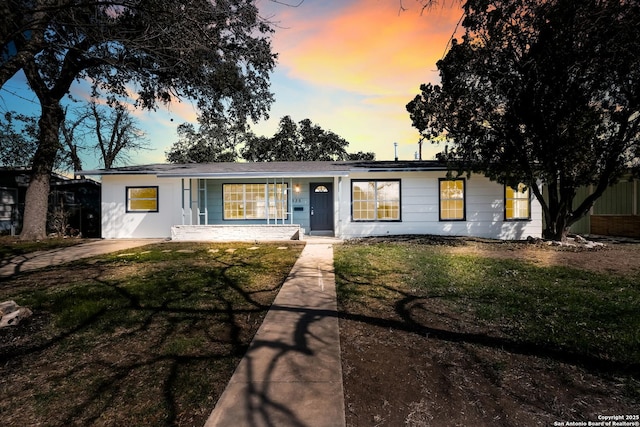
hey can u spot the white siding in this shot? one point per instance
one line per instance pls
(118, 224)
(420, 210)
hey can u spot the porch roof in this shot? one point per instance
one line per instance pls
(269, 169)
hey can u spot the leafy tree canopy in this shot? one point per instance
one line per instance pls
(541, 91)
(304, 141)
(362, 155)
(146, 51)
(212, 142)
(216, 53)
(18, 134)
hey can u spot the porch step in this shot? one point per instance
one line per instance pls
(325, 233)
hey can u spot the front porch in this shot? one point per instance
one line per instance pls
(257, 208)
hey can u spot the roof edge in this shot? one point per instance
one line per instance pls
(271, 169)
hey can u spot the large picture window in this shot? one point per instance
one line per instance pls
(254, 201)
(517, 203)
(452, 200)
(142, 199)
(375, 200)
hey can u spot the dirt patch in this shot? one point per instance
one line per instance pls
(615, 256)
(395, 378)
(462, 375)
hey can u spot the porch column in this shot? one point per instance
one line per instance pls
(186, 203)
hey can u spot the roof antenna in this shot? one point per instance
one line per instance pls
(395, 149)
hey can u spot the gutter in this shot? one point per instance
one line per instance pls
(255, 175)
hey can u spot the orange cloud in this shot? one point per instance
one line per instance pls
(367, 47)
(352, 66)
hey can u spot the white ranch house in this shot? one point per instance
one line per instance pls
(288, 200)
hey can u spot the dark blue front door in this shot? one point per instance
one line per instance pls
(321, 206)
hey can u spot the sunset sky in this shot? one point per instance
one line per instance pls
(350, 66)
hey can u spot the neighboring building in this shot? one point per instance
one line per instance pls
(615, 213)
(79, 198)
(264, 201)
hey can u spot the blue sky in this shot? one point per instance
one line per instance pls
(349, 66)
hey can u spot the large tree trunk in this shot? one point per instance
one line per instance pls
(556, 210)
(555, 229)
(559, 214)
(36, 201)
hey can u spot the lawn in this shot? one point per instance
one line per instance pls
(432, 335)
(148, 337)
(460, 333)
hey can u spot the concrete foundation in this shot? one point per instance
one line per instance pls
(236, 233)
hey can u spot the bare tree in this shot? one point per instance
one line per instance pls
(116, 134)
(69, 133)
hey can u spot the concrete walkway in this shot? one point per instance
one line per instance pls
(41, 259)
(292, 372)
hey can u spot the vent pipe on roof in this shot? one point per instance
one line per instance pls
(395, 150)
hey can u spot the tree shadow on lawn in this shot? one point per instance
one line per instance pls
(407, 308)
(411, 310)
(460, 371)
(155, 350)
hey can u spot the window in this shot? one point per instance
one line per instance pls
(142, 199)
(375, 200)
(517, 203)
(254, 201)
(452, 203)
